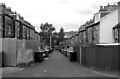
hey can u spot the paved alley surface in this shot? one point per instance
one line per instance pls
(57, 65)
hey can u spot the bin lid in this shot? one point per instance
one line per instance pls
(71, 51)
(46, 50)
(41, 50)
(65, 50)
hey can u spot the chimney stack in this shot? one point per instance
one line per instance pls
(118, 4)
(101, 7)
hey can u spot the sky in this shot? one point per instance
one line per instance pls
(69, 14)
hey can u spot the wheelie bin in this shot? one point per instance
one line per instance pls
(50, 50)
(72, 56)
(41, 55)
(46, 53)
(38, 56)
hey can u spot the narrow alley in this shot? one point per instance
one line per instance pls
(60, 38)
(57, 65)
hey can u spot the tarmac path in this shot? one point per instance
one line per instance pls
(57, 65)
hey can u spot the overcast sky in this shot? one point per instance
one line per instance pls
(69, 14)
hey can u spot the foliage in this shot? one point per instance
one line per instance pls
(61, 35)
(55, 39)
(58, 37)
(46, 32)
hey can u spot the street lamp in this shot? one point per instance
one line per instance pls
(50, 38)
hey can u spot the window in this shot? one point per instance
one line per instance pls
(17, 29)
(24, 32)
(116, 35)
(84, 36)
(95, 34)
(1, 26)
(9, 27)
(89, 35)
(32, 33)
(28, 32)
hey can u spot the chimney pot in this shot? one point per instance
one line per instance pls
(105, 8)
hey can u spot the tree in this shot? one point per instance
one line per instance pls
(55, 38)
(46, 32)
(61, 35)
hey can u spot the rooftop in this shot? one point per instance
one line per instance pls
(70, 34)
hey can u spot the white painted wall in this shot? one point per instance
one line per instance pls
(97, 17)
(106, 25)
(118, 11)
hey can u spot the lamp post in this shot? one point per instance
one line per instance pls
(50, 30)
(50, 40)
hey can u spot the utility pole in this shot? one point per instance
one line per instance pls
(50, 31)
(50, 41)
(50, 37)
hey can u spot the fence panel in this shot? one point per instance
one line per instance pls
(104, 57)
(77, 50)
(26, 49)
(83, 56)
(118, 49)
(24, 56)
(87, 56)
(114, 58)
(9, 48)
(0, 52)
(91, 56)
(0, 44)
(32, 44)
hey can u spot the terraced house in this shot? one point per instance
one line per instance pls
(18, 36)
(97, 41)
(99, 29)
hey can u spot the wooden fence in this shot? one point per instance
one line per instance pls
(105, 57)
(0, 52)
(0, 59)
(18, 51)
(26, 50)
